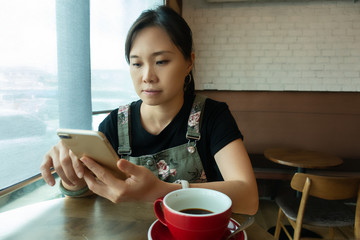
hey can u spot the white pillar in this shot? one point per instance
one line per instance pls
(74, 78)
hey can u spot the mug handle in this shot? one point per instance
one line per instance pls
(159, 212)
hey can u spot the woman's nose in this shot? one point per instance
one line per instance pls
(149, 75)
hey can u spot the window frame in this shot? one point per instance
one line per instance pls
(37, 179)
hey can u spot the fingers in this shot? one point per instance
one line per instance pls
(141, 184)
(64, 167)
(45, 170)
(100, 180)
(128, 167)
(95, 185)
(78, 166)
(63, 161)
(100, 172)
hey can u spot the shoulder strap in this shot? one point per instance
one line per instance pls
(193, 128)
(123, 123)
(195, 118)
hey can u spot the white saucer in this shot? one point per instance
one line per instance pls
(158, 231)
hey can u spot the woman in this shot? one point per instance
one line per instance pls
(169, 134)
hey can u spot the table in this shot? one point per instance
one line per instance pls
(302, 159)
(89, 218)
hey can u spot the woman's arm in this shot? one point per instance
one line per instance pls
(239, 179)
(143, 185)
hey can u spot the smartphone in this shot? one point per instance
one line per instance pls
(93, 144)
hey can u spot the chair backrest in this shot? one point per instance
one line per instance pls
(327, 187)
(330, 188)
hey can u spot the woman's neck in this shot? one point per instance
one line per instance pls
(154, 119)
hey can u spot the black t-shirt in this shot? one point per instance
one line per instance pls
(217, 130)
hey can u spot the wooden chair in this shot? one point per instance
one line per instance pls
(314, 206)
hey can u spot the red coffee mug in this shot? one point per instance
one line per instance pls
(194, 226)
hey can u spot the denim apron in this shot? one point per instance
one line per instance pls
(180, 162)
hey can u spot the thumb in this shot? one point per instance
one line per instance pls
(128, 167)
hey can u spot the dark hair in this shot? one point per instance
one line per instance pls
(174, 25)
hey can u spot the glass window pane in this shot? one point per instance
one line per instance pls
(28, 76)
(28, 87)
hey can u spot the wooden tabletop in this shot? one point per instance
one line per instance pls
(88, 218)
(302, 158)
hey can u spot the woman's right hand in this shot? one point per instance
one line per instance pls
(66, 165)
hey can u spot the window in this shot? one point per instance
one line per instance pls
(29, 86)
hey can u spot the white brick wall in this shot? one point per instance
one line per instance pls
(276, 45)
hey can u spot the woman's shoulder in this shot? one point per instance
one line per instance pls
(215, 106)
(208, 101)
(214, 102)
(111, 118)
(218, 115)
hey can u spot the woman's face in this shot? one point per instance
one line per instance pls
(157, 67)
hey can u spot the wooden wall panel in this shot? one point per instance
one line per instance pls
(321, 121)
(175, 4)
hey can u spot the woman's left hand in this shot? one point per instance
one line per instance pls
(141, 185)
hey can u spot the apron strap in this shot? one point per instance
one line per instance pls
(193, 128)
(124, 130)
(195, 118)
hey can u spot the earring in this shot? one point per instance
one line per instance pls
(187, 81)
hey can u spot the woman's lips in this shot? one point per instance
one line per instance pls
(151, 91)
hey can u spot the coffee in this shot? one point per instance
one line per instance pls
(196, 211)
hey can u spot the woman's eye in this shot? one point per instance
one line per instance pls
(136, 64)
(162, 62)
